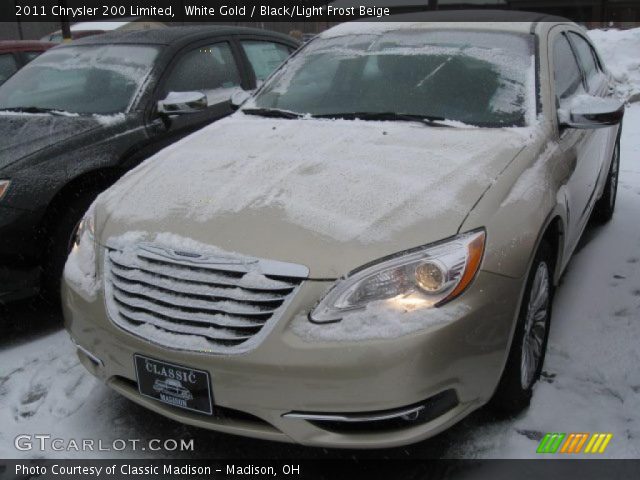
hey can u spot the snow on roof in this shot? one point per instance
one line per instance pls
(355, 28)
(619, 50)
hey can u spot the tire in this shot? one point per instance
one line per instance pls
(60, 238)
(604, 207)
(529, 343)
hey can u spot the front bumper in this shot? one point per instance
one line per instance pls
(254, 391)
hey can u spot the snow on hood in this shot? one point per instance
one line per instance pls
(24, 134)
(269, 187)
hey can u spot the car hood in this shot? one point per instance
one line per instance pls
(25, 134)
(328, 194)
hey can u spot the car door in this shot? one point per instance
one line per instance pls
(580, 147)
(209, 67)
(263, 55)
(602, 140)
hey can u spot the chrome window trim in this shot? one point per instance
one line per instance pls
(356, 417)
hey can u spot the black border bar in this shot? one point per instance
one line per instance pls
(222, 11)
(347, 468)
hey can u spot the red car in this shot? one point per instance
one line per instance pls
(15, 54)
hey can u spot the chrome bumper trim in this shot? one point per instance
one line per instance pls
(408, 413)
(89, 355)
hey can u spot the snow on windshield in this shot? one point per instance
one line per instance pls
(94, 79)
(483, 78)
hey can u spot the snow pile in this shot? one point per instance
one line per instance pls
(620, 50)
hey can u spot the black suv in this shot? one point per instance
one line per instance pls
(78, 117)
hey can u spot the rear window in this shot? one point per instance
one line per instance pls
(566, 71)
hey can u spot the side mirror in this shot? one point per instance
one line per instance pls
(586, 111)
(179, 103)
(238, 98)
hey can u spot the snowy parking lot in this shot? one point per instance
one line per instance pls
(590, 382)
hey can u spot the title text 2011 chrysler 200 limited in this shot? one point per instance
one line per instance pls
(367, 250)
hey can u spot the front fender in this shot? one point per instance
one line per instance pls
(523, 201)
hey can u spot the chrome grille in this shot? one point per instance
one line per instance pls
(194, 301)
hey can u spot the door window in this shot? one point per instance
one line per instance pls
(265, 56)
(210, 69)
(568, 77)
(8, 66)
(585, 56)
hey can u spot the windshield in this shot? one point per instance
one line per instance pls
(94, 79)
(476, 77)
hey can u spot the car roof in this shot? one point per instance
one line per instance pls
(479, 15)
(485, 19)
(175, 35)
(24, 46)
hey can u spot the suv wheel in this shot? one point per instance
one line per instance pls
(529, 343)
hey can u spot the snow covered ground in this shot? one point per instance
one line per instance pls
(591, 380)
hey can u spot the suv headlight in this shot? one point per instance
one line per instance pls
(428, 276)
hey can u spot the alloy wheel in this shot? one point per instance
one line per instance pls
(535, 327)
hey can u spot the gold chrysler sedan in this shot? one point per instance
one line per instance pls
(366, 251)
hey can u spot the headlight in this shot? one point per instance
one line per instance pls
(86, 227)
(4, 186)
(428, 276)
(80, 270)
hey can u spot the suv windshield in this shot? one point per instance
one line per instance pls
(98, 79)
(479, 78)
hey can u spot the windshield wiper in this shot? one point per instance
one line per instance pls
(271, 112)
(34, 110)
(392, 116)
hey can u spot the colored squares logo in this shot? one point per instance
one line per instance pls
(574, 443)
